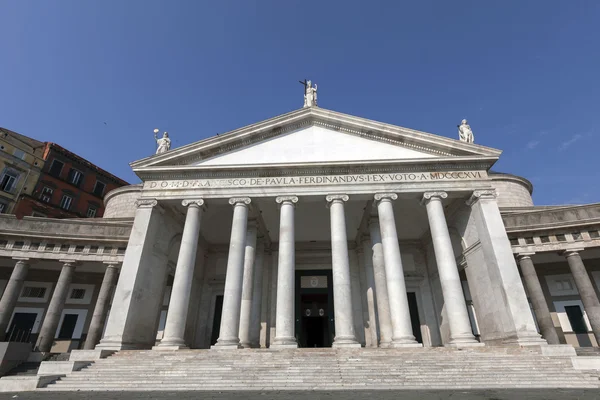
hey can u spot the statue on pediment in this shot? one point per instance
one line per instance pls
(310, 94)
(164, 143)
(465, 134)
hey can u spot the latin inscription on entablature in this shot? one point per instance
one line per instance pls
(319, 180)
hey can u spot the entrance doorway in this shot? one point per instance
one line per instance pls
(414, 316)
(314, 308)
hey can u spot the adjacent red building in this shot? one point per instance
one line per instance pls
(69, 187)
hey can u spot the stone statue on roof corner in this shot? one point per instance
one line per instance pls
(310, 95)
(164, 143)
(465, 134)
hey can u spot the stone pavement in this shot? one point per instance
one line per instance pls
(508, 394)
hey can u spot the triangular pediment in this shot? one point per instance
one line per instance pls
(314, 136)
(314, 144)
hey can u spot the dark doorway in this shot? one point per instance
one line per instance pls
(414, 316)
(576, 319)
(217, 320)
(21, 326)
(315, 327)
(68, 326)
(314, 308)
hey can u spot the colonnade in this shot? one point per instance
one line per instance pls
(52, 316)
(584, 286)
(240, 317)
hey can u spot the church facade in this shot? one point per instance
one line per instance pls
(310, 229)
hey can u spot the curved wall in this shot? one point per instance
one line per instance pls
(120, 203)
(513, 191)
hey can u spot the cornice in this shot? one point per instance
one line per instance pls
(361, 127)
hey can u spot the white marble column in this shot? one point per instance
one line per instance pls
(11, 293)
(179, 303)
(55, 308)
(586, 290)
(538, 300)
(285, 323)
(384, 319)
(256, 309)
(101, 309)
(248, 285)
(232, 296)
(367, 255)
(345, 336)
(454, 299)
(402, 333)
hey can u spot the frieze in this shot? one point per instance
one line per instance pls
(259, 171)
(319, 180)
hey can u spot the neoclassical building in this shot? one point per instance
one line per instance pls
(310, 229)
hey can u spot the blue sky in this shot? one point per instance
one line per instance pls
(524, 73)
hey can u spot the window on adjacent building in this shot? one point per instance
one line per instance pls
(75, 177)
(3, 208)
(34, 292)
(594, 234)
(46, 195)
(91, 212)
(56, 168)
(99, 188)
(8, 181)
(576, 319)
(19, 154)
(77, 294)
(65, 202)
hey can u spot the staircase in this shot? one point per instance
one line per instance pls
(326, 369)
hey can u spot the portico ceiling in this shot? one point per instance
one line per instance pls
(312, 222)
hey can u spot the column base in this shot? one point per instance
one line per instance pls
(167, 347)
(170, 344)
(465, 340)
(246, 345)
(340, 345)
(227, 344)
(397, 345)
(533, 340)
(284, 343)
(385, 345)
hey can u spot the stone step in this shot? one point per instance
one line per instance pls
(322, 370)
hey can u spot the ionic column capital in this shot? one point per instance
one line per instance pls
(524, 256)
(69, 263)
(428, 196)
(112, 264)
(488, 194)
(572, 252)
(199, 203)
(239, 200)
(291, 200)
(385, 197)
(332, 198)
(146, 203)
